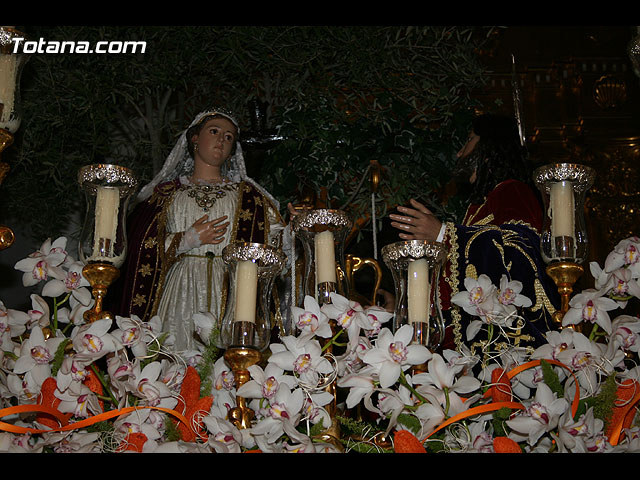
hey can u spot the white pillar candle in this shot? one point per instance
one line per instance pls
(562, 209)
(418, 291)
(246, 291)
(325, 257)
(8, 78)
(107, 206)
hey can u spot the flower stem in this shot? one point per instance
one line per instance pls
(332, 341)
(403, 381)
(56, 304)
(593, 333)
(447, 403)
(104, 384)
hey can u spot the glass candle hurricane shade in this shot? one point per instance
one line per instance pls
(415, 266)
(322, 233)
(251, 271)
(564, 234)
(107, 189)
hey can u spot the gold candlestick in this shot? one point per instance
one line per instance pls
(240, 359)
(100, 276)
(565, 275)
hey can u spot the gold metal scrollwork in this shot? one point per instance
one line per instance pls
(352, 265)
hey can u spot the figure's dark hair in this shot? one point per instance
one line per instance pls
(195, 129)
(499, 154)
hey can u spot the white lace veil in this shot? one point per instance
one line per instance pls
(179, 162)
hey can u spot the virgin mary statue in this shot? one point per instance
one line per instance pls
(200, 201)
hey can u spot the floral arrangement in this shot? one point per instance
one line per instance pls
(115, 386)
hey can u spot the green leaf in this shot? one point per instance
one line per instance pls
(551, 378)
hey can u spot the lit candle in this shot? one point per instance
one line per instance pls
(325, 257)
(107, 206)
(562, 209)
(418, 291)
(8, 78)
(246, 291)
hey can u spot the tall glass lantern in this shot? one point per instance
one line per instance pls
(323, 233)
(245, 329)
(12, 61)
(251, 269)
(564, 242)
(564, 233)
(415, 266)
(103, 240)
(11, 66)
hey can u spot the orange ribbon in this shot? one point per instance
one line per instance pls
(616, 430)
(490, 407)
(65, 426)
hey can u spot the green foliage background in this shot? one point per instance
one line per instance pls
(337, 96)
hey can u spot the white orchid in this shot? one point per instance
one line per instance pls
(311, 320)
(71, 370)
(223, 378)
(306, 361)
(74, 313)
(131, 333)
(148, 385)
(541, 415)
(140, 421)
(281, 415)
(265, 383)
(625, 333)
(361, 385)
(93, 341)
(587, 360)
(37, 352)
(205, 323)
(288, 391)
(573, 435)
(509, 295)
(44, 263)
(377, 317)
(14, 321)
(349, 315)
(479, 298)
(625, 254)
(225, 436)
(445, 378)
(394, 353)
(72, 283)
(590, 306)
(73, 442)
(78, 400)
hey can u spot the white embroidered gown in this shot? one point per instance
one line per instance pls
(186, 289)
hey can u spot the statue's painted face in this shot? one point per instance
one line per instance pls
(215, 141)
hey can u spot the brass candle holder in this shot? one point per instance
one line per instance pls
(240, 359)
(564, 275)
(100, 276)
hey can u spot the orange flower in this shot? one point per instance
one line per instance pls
(190, 404)
(93, 383)
(500, 390)
(406, 442)
(505, 445)
(623, 413)
(48, 399)
(133, 442)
